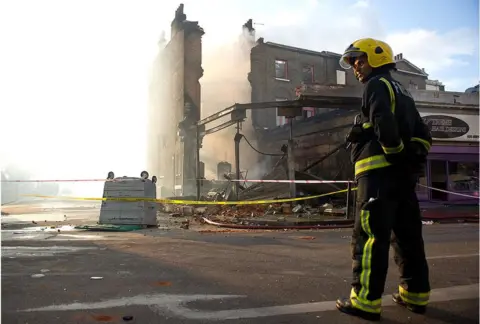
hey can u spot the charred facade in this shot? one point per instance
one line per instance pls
(175, 97)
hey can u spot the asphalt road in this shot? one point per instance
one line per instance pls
(187, 276)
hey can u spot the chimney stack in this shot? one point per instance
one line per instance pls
(180, 18)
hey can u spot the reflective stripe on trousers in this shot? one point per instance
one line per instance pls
(420, 299)
(360, 300)
(365, 305)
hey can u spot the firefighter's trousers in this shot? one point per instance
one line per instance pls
(387, 212)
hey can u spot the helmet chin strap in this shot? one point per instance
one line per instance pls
(356, 77)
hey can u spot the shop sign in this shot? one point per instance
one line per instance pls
(448, 127)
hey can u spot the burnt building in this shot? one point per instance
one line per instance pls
(175, 107)
(280, 72)
(277, 70)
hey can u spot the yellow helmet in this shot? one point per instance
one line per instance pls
(378, 53)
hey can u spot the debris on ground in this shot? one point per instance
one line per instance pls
(185, 224)
(307, 238)
(245, 214)
(249, 214)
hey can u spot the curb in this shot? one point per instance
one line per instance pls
(336, 224)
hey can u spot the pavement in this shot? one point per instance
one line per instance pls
(206, 275)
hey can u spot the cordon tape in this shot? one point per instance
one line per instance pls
(292, 181)
(71, 180)
(194, 202)
(449, 192)
(233, 180)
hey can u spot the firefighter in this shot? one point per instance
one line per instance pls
(388, 149)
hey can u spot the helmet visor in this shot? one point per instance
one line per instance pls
(348, 59)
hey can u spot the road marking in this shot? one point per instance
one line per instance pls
(40, 251)
(145, 300)
(453, 256)
(174, 304)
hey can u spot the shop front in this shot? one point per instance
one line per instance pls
(453, 162)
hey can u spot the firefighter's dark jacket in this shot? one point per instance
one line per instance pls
(392, 130)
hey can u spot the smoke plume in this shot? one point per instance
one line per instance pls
(225, 82)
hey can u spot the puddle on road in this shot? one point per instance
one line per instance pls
(50, 236)
(50, 216)
(63, 228)
(40, 251)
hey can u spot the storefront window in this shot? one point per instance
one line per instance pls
(463, 176)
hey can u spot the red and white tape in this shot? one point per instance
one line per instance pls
(65, 180)
(68, 180)
(450, 192)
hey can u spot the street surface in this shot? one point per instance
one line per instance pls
(169, 275)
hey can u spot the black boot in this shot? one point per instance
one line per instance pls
(345, 306)
(411, 307)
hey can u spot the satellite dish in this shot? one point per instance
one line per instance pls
(144, 175)
(110, 175)
(154, 179)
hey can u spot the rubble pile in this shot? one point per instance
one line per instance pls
(309, 209)
(249, 214)
(224, 212)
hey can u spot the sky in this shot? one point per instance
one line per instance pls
(74, 74)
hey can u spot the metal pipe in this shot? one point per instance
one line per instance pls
(291, 161)
(237, 161)
(336, 149)
(174, 172)
(219, 127)
(197, 158)
(349, 192)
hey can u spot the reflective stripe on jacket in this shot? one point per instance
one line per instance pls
(389, 114)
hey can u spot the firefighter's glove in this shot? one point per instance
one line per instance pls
(356, 134)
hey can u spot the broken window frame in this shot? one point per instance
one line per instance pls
(308, 112)
(280, 73)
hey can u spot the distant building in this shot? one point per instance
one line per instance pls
(434, 85)
(472, 89)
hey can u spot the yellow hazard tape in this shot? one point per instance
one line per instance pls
(193, 202)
